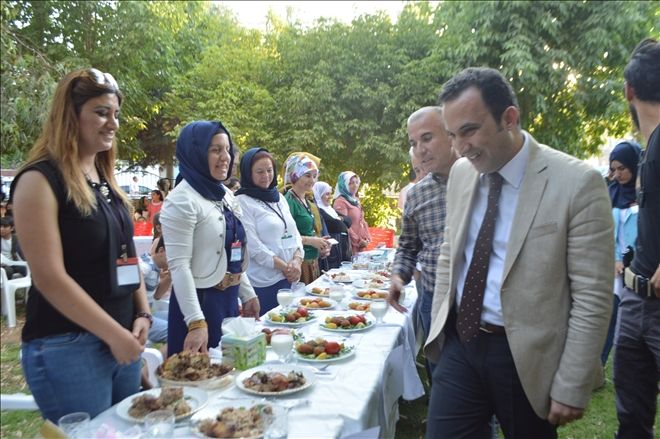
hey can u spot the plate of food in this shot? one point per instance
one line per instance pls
(183, 401)
(371, 294)
(359, 306)
(316, 303)
(347, 323)
(276, 379)
(318, 291)
(376, 283)
(241, 418)
(323, 350)
(290, 317)
(193, 369)
(339, 276)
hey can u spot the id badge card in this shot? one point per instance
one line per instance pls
(236, 251)
(288, 241)
(128, 271)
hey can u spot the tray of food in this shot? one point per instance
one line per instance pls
(323, 350)
(340, 276)
(183, 401)
(242, 418)
(371, 294)
(276, 379)
(373, 283)
(316, 303)
(347, 323)
(291, 317)
(193, 369)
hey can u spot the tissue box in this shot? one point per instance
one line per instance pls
(244, 353)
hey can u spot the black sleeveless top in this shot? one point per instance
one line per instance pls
(89, 248)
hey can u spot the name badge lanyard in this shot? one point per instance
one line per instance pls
(236, 253)
(280, 215)
(128, 272)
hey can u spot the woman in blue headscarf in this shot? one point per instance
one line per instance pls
(205, 241)
(274, 243)
(347, 204)
(623, 168)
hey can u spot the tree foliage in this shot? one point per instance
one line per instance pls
(340, 91)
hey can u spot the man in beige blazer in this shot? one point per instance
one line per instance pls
(531, 357)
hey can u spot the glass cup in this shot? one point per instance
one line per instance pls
(282, 343)
(298, 289)
(336, 293)
(284, 297)
(276, 422)
(346, 266)
(379, 309)
(73, 423)
(159, 424)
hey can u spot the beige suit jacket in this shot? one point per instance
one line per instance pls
(556, 291)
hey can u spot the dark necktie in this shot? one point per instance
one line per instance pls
(469, 313)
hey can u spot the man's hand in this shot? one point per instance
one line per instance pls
(655, 282)
(396, 286)
(251, 308)
(561, 414)
(618, 268)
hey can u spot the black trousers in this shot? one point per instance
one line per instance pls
(475, 380)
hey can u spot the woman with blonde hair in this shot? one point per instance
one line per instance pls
(300, 173)
(347, 203)
(87, 316)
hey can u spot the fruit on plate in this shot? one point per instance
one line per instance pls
(315, 303)
(300, 315)
(372, 294)
(321, 349)
(357, 306)
(355, 321)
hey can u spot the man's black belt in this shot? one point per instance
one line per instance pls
(639, 284)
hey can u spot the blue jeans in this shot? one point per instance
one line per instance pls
(637, 365)
(425, 305)
(76, 372)
(158, 331)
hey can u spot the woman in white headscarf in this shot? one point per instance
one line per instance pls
(336, 225)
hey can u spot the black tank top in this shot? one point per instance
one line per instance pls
(88, 253)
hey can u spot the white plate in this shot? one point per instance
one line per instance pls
(196, 399)
(351, 351)
(312, 318)
(325, 294)
(347, 279)
(213, 409)
(330, 301)
(366, 298)
(308, 373)
(370, 323)
(210, 383)
(365, 283)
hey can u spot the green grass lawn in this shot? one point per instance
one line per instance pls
(598, 422)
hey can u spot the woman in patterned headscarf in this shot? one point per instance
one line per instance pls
(300, 173)
(347, 203)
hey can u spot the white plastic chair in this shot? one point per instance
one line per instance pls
(153, 358)
(17, 401)
(9, 288)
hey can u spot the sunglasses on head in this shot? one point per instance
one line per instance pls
(102, 78)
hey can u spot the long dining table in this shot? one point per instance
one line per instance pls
(358, 394)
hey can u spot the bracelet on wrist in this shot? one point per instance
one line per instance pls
(197, 324)
(146, 315)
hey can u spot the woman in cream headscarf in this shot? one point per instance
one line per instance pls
(336, 225)
(347, 203)
(300, 174)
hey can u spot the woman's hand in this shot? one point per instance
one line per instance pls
(141, 327)
(364, 243)
(618, 268)
(125, 347)
(251, 308)
(292, 271)
(196, 340)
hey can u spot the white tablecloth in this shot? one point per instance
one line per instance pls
(358, 394)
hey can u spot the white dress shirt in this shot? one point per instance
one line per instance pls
(265, 229)
(512, 173)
